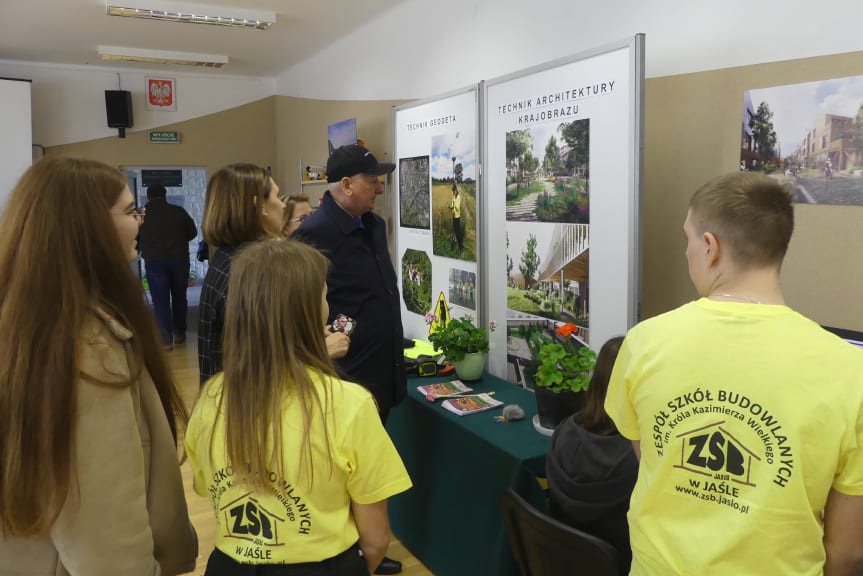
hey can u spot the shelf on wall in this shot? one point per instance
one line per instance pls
(312, 182)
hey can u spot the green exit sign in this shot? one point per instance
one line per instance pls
(165, 137)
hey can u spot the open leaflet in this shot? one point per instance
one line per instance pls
(470, 404)
(443, 389)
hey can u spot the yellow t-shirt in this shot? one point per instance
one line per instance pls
(294, 524)
(747, 416)
(455, 206)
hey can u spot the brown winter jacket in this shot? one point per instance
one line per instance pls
(126, 512)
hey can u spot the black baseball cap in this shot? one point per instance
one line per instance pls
(350, 160)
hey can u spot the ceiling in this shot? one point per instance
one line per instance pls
(69, 31)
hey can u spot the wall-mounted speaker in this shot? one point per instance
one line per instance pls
(118, 107)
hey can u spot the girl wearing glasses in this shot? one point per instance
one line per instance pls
(89, 478)
(297, 209)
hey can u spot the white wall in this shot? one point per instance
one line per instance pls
(69, 102)
(15, 150)
(422, 48)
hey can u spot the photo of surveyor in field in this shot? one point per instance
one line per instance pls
(416, 281)
(414, 193)
(548, 172)
(453, 175)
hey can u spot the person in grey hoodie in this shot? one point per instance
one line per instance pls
(591, 468)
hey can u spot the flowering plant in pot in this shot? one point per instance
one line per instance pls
(463, 343)
(563, 374)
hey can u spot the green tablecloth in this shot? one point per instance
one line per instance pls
(460, 467)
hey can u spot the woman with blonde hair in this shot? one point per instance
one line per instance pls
(242, 205)
(89, 479)
(296, 461)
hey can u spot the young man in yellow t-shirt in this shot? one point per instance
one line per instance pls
(747, 417)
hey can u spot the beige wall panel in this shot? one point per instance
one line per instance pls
(301, 134)
(243, 134)
(692, 133)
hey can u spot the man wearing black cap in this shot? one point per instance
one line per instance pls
(361, 283)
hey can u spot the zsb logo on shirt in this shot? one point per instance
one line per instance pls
(713, 450)
(250, 521)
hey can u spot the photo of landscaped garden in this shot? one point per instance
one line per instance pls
(547, 285)
(548, 173)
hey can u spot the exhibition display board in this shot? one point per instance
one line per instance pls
(562, 147)
(517, 201)
(435, 208)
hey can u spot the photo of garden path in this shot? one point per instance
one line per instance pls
(547, 173)
(414, 192)
(808, 136)
(417, 281)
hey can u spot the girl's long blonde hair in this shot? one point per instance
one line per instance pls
(273, 339)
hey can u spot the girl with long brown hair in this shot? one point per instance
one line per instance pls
(89, 478)
(296, 461)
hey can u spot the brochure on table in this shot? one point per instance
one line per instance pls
(561, 171)
(435, 207)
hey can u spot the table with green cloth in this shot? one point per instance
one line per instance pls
(460, 467)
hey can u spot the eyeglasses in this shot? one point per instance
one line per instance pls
(137, 213)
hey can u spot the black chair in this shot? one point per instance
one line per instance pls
(542, 546)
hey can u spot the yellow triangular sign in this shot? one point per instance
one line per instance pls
(441, 315)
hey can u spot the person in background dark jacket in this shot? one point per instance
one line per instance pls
(164, 244)
(591, 468)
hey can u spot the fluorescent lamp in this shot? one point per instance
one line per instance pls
(192, 13)
(161, 56)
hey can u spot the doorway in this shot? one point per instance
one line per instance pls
(187, 188)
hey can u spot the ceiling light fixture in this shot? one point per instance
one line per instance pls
(161, 57)
(193, 13)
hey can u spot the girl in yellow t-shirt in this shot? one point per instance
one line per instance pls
(295, 461)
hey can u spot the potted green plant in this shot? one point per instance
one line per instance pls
(463, 344)
(562, 376)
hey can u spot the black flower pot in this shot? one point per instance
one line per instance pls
(555, 407)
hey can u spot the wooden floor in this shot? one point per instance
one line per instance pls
(184, 363)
